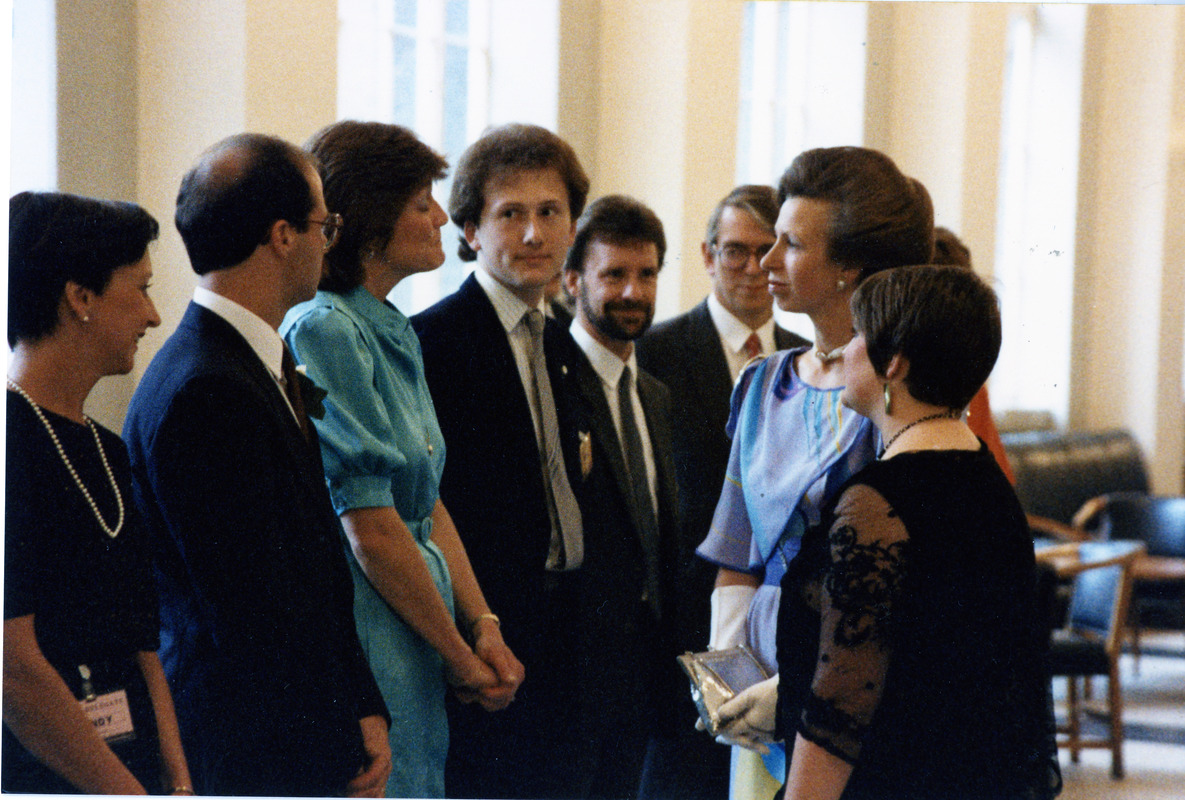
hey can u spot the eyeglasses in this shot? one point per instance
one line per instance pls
(330, 227)
(736, 256)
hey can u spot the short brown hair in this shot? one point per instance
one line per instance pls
(618, 220)
(944, 319)
(506, 149)
(881, 218)
(760, 202)
(949, 249)
(369, 171)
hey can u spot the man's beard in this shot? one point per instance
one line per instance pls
(609, 327)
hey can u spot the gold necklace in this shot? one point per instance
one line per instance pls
(70, 467)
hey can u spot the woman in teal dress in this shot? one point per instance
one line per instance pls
(421, 616)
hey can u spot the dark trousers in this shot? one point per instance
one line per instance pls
(689, 764)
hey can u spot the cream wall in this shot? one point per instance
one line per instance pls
(206, 69)
(1128, 333)
(98, 136)
(944, 132)
(665, 128)
(647, 94)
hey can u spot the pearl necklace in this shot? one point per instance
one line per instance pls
(833, 355)
(919, 421)
(70, 467)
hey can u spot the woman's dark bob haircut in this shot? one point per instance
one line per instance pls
(944, 320)
(56, 238)
(880, 217)
(369, 171)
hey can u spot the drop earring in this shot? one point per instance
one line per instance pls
(888, 401)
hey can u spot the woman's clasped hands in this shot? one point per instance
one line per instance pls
(492, 676)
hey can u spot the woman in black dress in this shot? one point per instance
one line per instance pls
(911, 654)
(86, 704)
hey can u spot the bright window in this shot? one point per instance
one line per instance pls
(802, 83)
(1034, 266)
(33, 160)
(802, 86)
(423, 64)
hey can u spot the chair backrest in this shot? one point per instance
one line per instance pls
(1158, 522)
(1100, 595)
(1056, 472)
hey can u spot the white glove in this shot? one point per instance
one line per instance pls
(730, 611)
(748, 718)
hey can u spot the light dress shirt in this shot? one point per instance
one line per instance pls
(610, 369)
(263, 338)
(733, 334)
(510, 310)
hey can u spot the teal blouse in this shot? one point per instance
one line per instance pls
(382, 447)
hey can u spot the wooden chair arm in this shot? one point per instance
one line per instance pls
(1067, 561)
(1057, 530)
(1085, 516)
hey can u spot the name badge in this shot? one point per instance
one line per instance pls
(111, 715)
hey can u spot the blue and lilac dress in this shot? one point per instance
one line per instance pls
(382, 447)
(793, 446)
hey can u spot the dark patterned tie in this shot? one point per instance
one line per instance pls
(291, 385)
(562, 507)
(635, 464)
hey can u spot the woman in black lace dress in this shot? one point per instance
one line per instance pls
(911, 654)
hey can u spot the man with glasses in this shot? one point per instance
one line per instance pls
(699, 355)
(274, 695)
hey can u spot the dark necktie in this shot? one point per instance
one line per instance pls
(291, 384)
(753, 346)
(635, 464)
(562, 507)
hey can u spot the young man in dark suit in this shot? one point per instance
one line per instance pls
(273, 693)
(698, 355)
(495, 367)
(612, 271)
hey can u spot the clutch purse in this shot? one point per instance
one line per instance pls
(717, 676)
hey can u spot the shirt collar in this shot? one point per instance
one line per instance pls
(607, 364)
(262, 338)
(735, 333)
(382, 313)
(509, 308)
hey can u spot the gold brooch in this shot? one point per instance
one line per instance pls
(585, 454)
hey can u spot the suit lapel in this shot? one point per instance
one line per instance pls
(603, 431)
(236, 354)
(705, 339)
(785, 340)
(649, 390)
(498, 368)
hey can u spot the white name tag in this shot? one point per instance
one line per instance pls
(111, 715)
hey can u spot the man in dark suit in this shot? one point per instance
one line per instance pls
(496, 369)
(612, 271)
(273, 693)
(699, 355)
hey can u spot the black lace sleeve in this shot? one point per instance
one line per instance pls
(869, 549)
